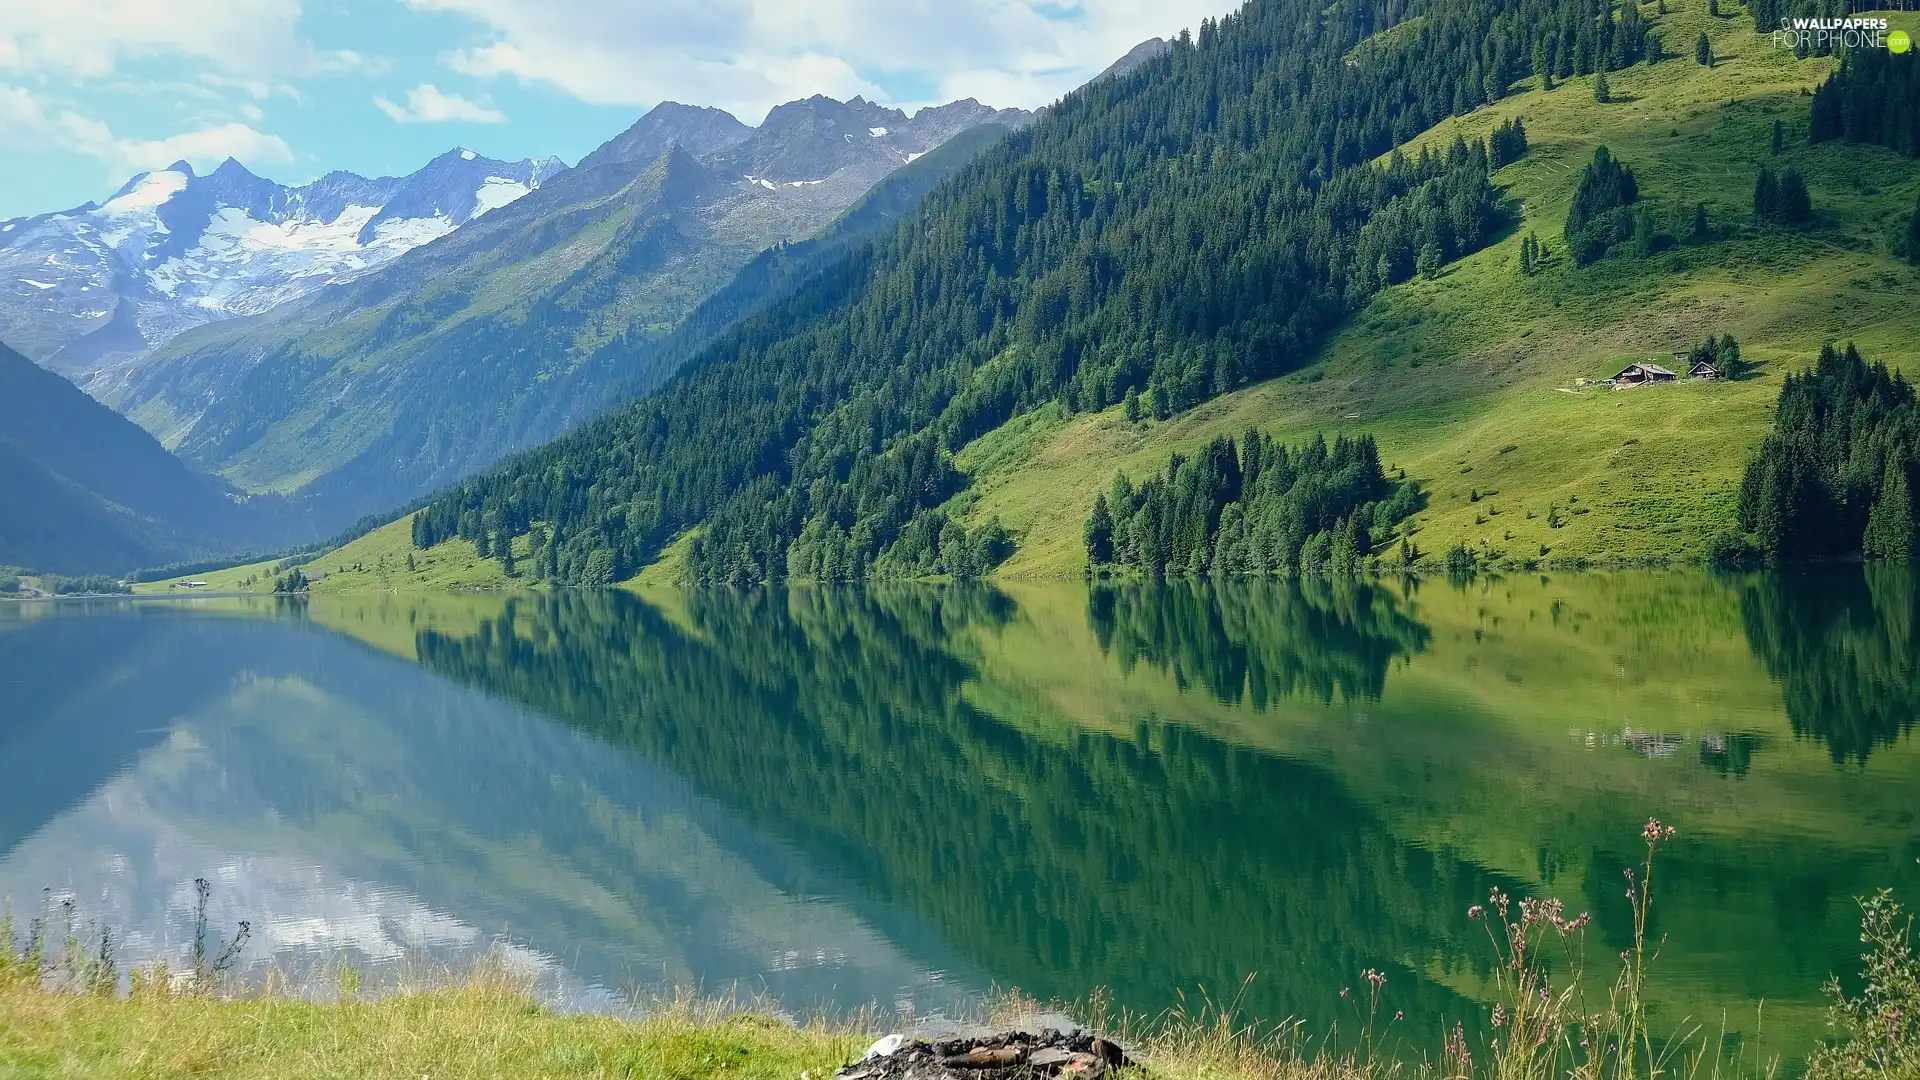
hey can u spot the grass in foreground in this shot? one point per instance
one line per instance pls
(61, 1016)
(486, 1027)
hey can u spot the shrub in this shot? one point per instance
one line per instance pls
(1460, 562)
(1733, 549)
(1880, 1027)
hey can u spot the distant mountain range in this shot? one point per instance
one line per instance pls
(537, 315)
(91, 291)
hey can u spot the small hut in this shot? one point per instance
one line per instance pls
(1640, 373)
(1705, 369)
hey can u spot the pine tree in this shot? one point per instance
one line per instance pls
(1600, 91)
(1646, 231)
(1699, 230)
(1912, 245)
(1766, 195)
(1099, 533)
(1779, 137)
(1795, 206)
(1540, 63)
(1526, 255)
(1132, 406)
(1890, 524)
(504, 545)
(1703, 50)
(1428, 264)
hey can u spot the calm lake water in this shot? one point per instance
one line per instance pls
(910, 795)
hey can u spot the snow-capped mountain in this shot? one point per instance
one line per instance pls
(91, 291)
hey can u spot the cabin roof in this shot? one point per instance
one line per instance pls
(1650, 368)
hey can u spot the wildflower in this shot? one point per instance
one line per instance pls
(1656, 832)
(1476, 911)
(1344, 989)
(1500, 1015)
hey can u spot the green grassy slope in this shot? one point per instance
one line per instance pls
(1468, 380)
(377, 561)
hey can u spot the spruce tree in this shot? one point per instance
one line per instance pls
(1890, 524)
(1766, 195)
(1428, 263)
(1099, 533)
(1600, 92)
(1703, 50)
(1540, 62)
(1779, 137)
(1727, 358)
(1713, 8)
(1795, 205)
(504, 546)
(1699, 230)
(1912, 245)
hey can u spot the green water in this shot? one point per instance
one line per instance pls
(912, 794)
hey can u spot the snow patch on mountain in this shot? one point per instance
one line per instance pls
(497, 192)
(183, 249)
(145, 192)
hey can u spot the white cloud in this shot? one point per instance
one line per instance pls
(27, 124)
(748, 55)
(428, 104)
(91, 38)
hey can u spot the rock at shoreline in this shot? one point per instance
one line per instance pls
(1075, 1055)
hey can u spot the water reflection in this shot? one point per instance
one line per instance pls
(349, 803)
(1842, 645)
(1260, 641)
(906, 794)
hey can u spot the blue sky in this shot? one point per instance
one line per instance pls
(92, 91)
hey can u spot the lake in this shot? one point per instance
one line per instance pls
(912, 795)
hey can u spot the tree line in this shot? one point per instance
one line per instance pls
(1836, 475)
(1255, 507)
(1873, 96)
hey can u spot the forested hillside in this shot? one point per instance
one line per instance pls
(1167, 236)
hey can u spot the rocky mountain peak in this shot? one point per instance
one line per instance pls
(700, 130)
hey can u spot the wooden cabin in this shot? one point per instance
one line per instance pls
(1705, 369)
(1639, 373)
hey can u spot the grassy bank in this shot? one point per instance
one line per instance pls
(485, 1028)
(67, 1018)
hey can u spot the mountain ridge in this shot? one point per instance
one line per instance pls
(172, 249)
(373, 391)
(86, 490)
